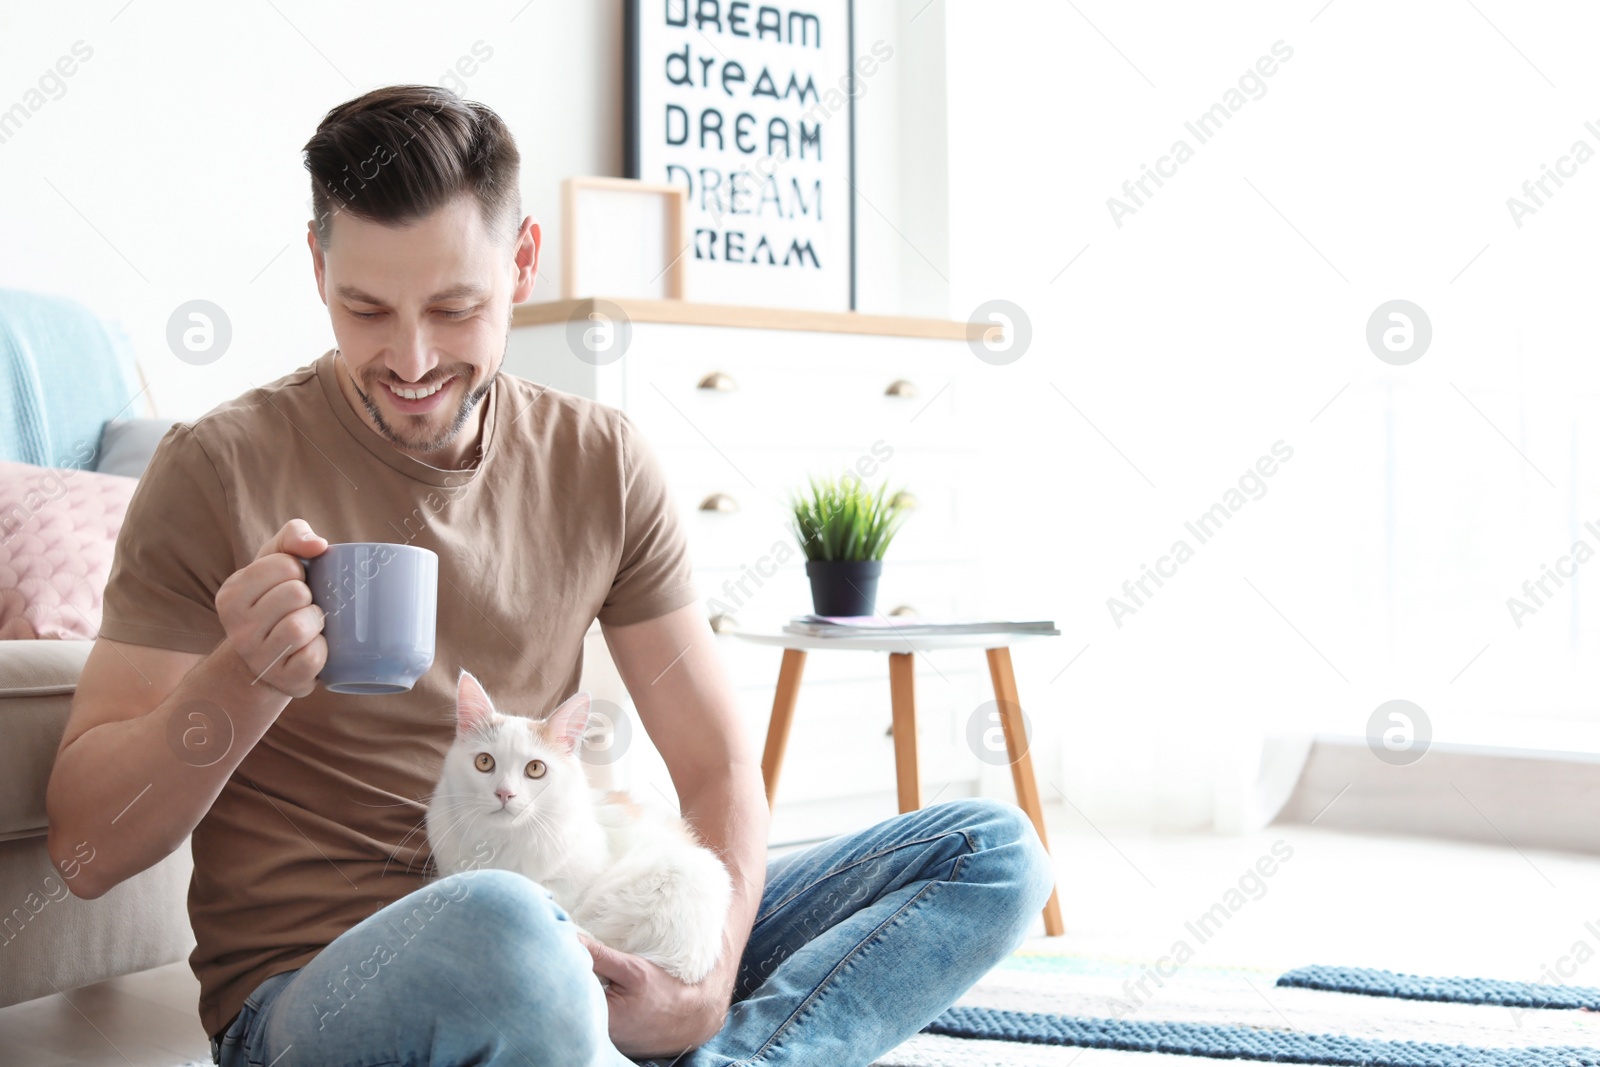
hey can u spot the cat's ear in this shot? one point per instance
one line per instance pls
(474, 711)
(566, 725)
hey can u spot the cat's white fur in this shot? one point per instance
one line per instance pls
(631, 878)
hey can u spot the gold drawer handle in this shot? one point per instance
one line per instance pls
(717, 382)
(720, 502)
(901, 387)
(723, 623)
(904, 609)
(903, 499)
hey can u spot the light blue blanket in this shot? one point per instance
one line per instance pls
(63, 373)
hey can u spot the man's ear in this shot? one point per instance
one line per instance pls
(566, 725)
(526, 259)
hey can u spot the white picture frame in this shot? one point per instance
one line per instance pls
(622, 239)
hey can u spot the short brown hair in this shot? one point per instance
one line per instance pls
(397, 154)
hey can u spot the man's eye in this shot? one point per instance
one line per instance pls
(463, 313)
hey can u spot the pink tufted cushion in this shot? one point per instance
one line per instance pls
(58, 529)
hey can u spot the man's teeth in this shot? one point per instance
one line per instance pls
(418, 394)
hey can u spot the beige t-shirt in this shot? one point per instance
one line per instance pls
(566, 518)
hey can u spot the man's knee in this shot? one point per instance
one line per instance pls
(503, 908)
(526, 961)
(1006, 829)
(438, 967)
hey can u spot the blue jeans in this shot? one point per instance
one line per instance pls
(859, 943)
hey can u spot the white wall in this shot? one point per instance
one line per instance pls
(170, 168)
(902, 208)
(1228, 314)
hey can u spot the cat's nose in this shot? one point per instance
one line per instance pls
(505, 795)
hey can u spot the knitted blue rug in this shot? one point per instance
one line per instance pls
(1240, 1042)
(1455, 990)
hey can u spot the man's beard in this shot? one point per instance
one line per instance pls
(413, 441)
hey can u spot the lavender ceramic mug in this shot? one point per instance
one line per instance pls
(380, 605)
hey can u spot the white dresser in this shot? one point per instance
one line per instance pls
(741, 405)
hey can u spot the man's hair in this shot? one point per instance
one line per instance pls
(397, 154)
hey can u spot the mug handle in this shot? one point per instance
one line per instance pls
(305, 576)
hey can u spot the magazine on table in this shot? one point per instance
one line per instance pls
(873, 625)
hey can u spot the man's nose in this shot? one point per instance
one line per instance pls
(410, 361)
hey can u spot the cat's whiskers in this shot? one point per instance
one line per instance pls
(421, 823)
(455, 815)
(458, 815)
(466, 829)
(445, 811)
(442, 832)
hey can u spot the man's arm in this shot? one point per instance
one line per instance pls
(685, 701)
(119, 800)
(154, 734)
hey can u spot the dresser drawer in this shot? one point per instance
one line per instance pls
(904, 397)
(786, 386)
(674, 405)
(841, 394)
(730, 522)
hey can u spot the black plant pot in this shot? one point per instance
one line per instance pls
(843, 587)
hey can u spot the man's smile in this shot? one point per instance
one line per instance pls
(418, 400)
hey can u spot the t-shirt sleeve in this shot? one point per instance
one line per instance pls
(173, 552)
(654, 574)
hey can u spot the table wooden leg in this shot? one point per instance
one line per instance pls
(902, 699)
(1005, 695)
(794, 661)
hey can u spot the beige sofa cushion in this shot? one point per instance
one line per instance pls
(37, 679)
(51, 940)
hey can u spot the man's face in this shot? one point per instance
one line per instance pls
(421, 314)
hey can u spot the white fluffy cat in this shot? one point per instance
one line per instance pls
(630, 878)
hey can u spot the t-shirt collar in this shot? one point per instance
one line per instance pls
(379, 446)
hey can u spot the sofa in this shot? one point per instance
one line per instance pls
(49, 939)
(69, 389)
(69, 398)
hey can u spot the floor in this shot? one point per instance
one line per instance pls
(1430, 907)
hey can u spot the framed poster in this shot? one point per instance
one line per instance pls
(750, 107)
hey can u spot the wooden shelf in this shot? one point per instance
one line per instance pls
(685, 312)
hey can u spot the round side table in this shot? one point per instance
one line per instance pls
(902, 700)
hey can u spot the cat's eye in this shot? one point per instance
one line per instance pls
(536, 768)
(484, 762)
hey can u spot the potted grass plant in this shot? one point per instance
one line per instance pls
(844, 530)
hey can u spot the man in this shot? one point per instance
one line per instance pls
(321, 936)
